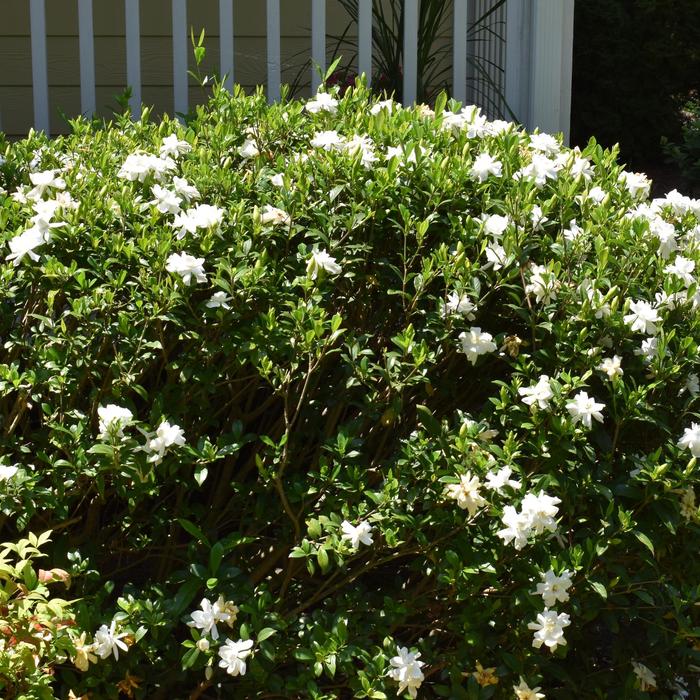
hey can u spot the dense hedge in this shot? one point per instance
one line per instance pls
(338, 400)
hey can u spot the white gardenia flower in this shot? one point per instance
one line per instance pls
(573, 232)
(596, 194)
(273, 215)
(206, 215)
(595, 298)
(682, 268)
(248, 150)
(496, 256)
(475, 343)
(25, 244)
(540, 510)
(499, 126)
(484, 165)
(525, 692)
(7, 471)
(460, 304)
(649, 349)
(166, 201)
(184, 189)
(583, 408)
(692, 385)
(517, 528)
(323, 102)
(691, 439)
(277, 180)
(554, 588)
(537, 515)
(113, 419)
(543, 284)
(209, 616)
(357, 534)
(188, 267)
(539, 170)
(495, 224)
(497, 481)
(466, 493)
(107, 642)
(680, 203)
(364, 146)
(549, 629)
(219, 300)
(539, 393)
(637, 184)
(670, 301)
(666, 234)
(394, 152)
(645, 676)
(173, 146)
(537, 218)
(327, 140)
(45, 209)
(233, 656)
(643, 317)
(389, 105)
(202, 216)
(43, 181)
(321, 260)
(166, 436)
(581, 167)
(138, 166)
(545, 143)
(406, 671)
(611, 366)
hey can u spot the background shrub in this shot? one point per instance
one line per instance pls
(635, 65)
(686, 153)
(388, 384)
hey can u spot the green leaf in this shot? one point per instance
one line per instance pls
(322, 557)
(101, 449)
(644, 540)
(215, 556)
(193, 530)
(189, 658)
(599, 588)
(428, 420)
(266, 633)
(200, 475)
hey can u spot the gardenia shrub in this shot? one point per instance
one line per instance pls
(338, 399)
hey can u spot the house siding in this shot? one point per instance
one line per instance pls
(250, 68)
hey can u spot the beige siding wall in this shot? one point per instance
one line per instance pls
(16, 104)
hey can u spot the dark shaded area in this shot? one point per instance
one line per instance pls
(636, 63)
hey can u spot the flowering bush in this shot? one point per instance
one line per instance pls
(345, 400)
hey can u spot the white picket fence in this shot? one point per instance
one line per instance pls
(533, 66)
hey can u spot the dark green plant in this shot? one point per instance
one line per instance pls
(686, 154)
(635, 64)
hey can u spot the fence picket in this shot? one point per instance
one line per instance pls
(274, 70)
(459, 51)
(318, 42)
(40, 79)
(410, 52)
(180, 101)
(226, 42)
(133, 55)
(364, 39)
(87, 57)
